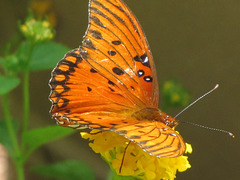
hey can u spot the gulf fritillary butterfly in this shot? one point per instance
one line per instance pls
(110, 83)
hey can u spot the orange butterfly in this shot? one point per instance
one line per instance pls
(110, 83)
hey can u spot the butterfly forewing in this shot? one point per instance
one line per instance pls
(116, 46)
(78, 88)
(153, 91)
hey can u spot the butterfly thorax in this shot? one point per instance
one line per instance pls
(155, 114)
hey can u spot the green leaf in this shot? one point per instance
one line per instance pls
(5, 137)
(46, 55)
(8, 84)
(67, 170)
(2, 60)
(22, 53)
(37, 137)
(17, 62)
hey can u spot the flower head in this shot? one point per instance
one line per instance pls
(128, 159)
(37, 30)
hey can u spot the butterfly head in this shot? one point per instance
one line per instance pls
(169, 120)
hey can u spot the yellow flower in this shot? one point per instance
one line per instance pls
(37, 30)
(128, 159)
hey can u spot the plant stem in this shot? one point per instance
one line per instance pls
(20, 170)
(26, 100)
(9, 123)
(12, 134)
(26, 97)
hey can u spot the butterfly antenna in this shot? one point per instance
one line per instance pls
(199, 125)
(214, 129)
(216, 86)
(120, 169)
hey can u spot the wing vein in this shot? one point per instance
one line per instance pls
(104, 15)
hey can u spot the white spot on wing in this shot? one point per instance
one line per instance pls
(145, 60)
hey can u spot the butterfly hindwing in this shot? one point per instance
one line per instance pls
(153, 137)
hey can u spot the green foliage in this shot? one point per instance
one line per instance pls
(114, 176)
(5, 138)
(46, 55)
(36, 137)
(174, 95)
(66, 170)
(8, 84)
(42, 56)
(36, 52)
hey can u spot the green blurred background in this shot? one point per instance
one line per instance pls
(195, 41)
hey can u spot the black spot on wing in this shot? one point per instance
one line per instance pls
(57, 96)
(93, 70)
(142, 142)
(111, 89)
(122, 132)
(143, 59)
(68, 111)
(88, 43)
(148, 78)
(116, 42)
(64, 104)
(140, 73)
(89, 89)
(84, 53)
(97, 21)
(111, 83)
(117, 71)
(112, 53)
(95, 34)
(135, 137)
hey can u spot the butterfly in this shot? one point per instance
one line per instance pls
(110, 83)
